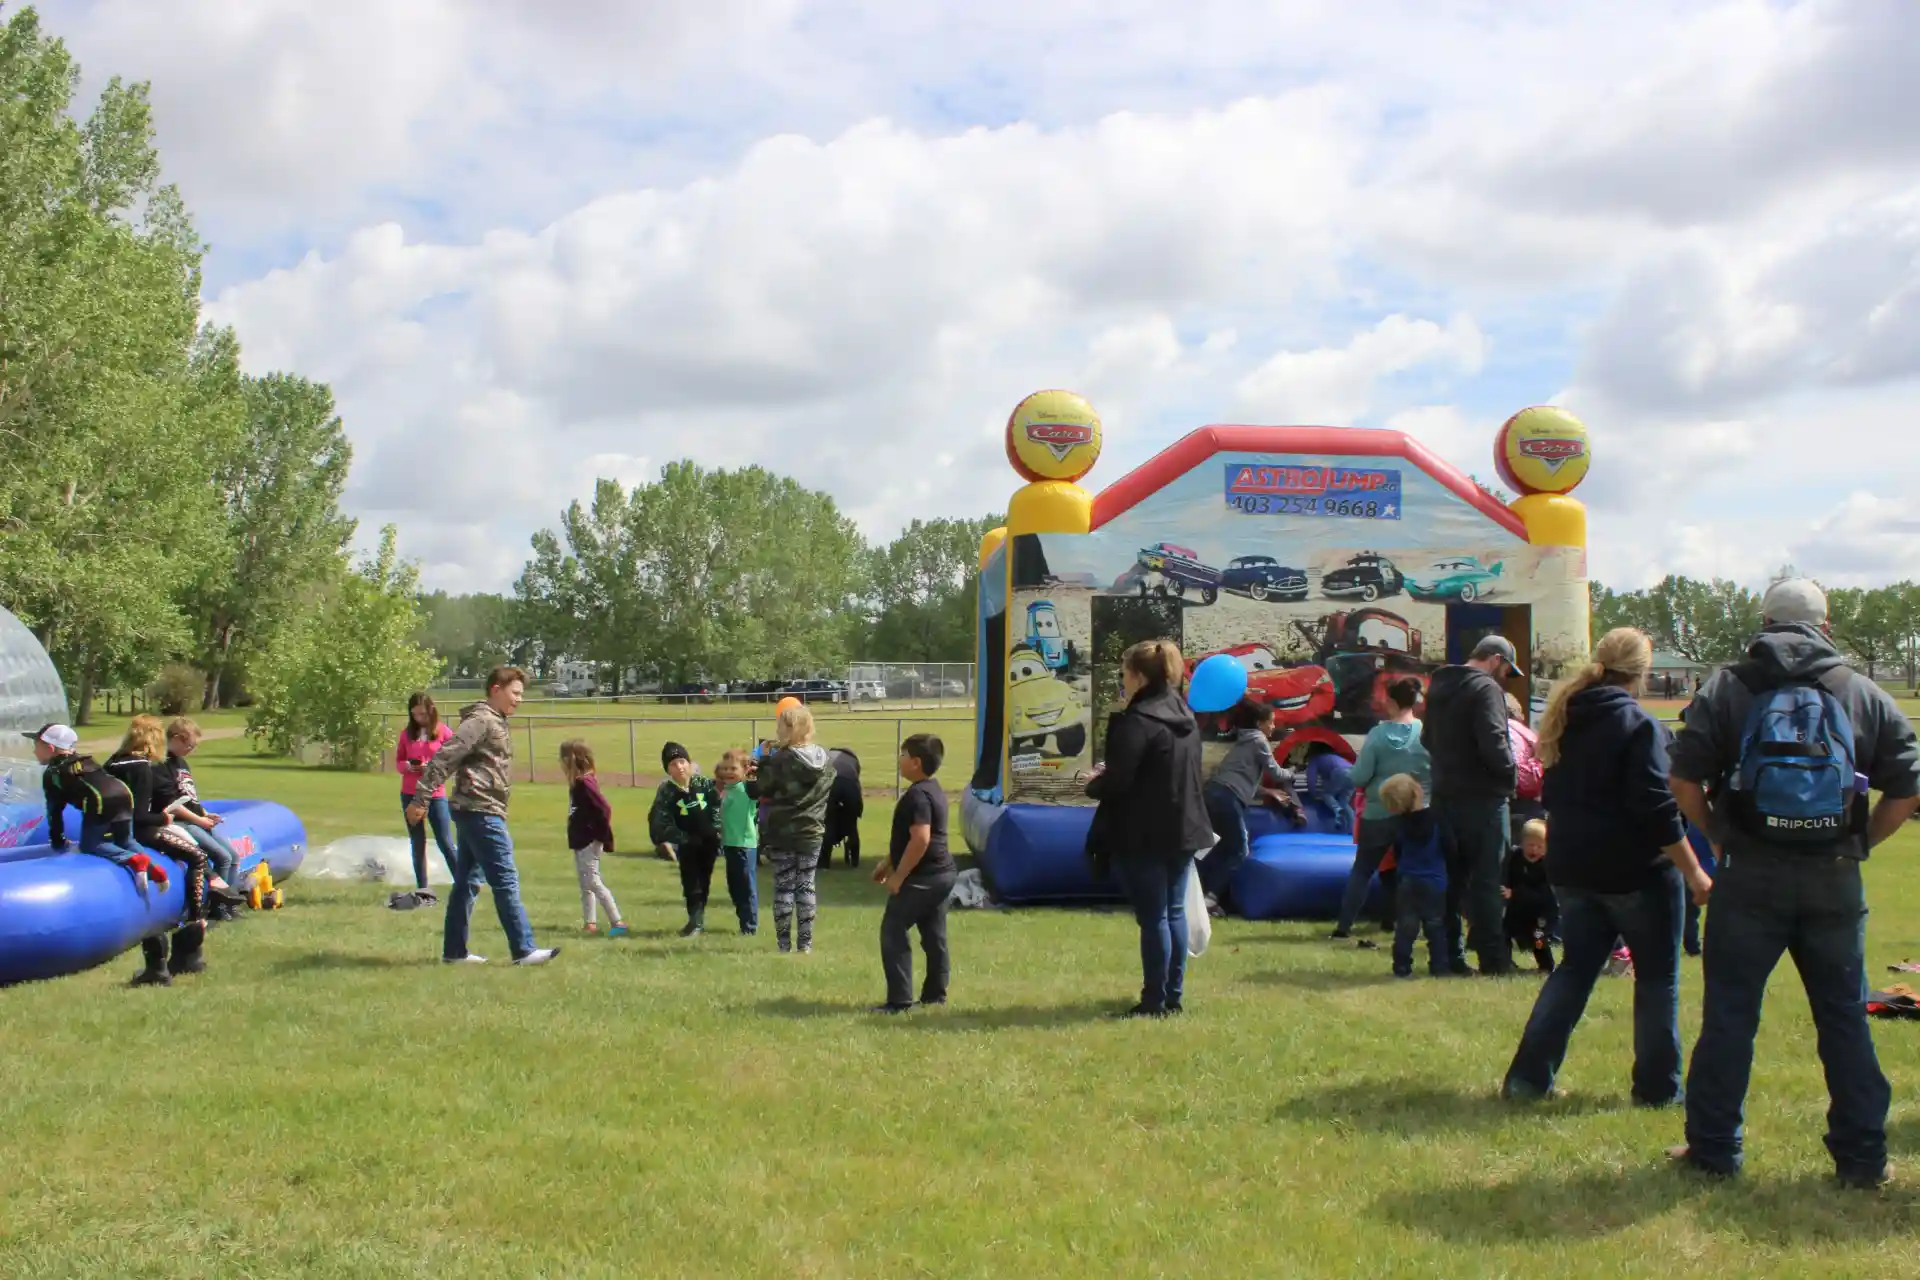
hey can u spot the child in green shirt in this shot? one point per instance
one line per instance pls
(739, 838)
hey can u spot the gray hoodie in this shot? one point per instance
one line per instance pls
(1248, 763)
(1707, 749)
(1391, 748)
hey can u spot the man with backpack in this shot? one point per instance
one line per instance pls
(1787, 743)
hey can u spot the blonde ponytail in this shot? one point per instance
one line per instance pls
(1624, 656)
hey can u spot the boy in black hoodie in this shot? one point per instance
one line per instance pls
(1465, 734)
(685, 821)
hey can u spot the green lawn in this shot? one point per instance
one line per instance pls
(328, 1101)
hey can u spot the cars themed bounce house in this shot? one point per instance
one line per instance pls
(61, 913)
(1328, 561)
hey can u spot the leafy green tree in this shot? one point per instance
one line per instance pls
(105, 422)
(1709, 623)
(1869, 623)
(470, 634)
(924, 588)
(329, 672)
(282, 530)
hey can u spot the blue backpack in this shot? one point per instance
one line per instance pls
(1794, 782)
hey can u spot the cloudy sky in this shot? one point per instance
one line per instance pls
(529, 244)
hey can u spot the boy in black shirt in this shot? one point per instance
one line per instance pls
(105, 804)
(919, 874)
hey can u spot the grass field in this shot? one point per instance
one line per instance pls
(328, 1101)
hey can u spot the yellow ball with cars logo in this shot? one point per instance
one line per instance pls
(1053, 435)
(1542, 450)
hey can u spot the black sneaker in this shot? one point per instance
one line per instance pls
(1403, 973)
(151, 978)
(1174, 1008)
(1339, 934)
(890, 1008)
(1141, 1011)
(689, 929)
(935, 1000)
(193, 962)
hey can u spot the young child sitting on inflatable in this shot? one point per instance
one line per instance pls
(1330, 786)
(1422, 846)
(105, 804)
(1532, 915)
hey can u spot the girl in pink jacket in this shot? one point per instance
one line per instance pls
(419, 741)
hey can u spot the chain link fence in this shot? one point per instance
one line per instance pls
(910, 684)
(863, 686)
(626, 750)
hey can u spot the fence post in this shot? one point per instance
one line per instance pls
(633, 760)
(896, 756)
(530, 749)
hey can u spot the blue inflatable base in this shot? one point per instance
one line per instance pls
(62, 913)
(1036, 853)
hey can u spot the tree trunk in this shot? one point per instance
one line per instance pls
(83, 710)
(210, 700)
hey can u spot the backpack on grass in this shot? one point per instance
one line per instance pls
(1795, 782)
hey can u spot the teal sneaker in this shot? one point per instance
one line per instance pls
(618, 931)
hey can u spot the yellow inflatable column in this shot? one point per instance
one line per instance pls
(1543, 452)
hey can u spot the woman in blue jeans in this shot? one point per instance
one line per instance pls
(1620, 865)
(1152, 818)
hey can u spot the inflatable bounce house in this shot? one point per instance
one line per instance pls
(61, 913)
(1328, 561)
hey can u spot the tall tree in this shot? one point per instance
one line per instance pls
(279, 490)
(1709, 623)
(104, 424)
(470, 634)
(1869, 623)
(924, 589)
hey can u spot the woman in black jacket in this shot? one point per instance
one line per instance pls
(1152, 818)
(1620, 866)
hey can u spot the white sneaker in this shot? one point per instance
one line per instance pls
(539, 957)
(469, 958)
(140, 883)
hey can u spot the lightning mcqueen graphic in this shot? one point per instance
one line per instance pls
(1300, 696)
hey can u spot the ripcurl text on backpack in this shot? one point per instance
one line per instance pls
(1796, 781)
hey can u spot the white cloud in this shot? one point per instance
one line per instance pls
(1337, 385)
(1866, 540)
(842, 240)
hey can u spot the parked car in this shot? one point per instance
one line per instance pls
(814, 691)
(1459, 579)
(558, 689)
(1173, 570)
(1368, 575)
(694, 691)
(1264, 578)
(868, 691)
(943, 688)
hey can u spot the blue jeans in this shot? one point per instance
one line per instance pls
(1815, 910)
(1157, 888)
(743, 886)
(1474, 877)
(226, 862)
(1229, 819)
(1421, 903)
(1692, 935)
(110, 840)
(1376, 837)
(437, 817)
(1649, 920)
(485, 852)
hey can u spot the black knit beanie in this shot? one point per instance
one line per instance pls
(671, 752)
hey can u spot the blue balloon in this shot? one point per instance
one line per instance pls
(1217, 684)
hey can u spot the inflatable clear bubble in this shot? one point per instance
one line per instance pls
(31, 695)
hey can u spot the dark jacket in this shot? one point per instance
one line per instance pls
(78, 781)
(1465, 734)
(1149, 793)
(1531, 892)
(1708, 747)
(589, 816)
(847, 803)
(796, 783)
(1607, 796)
(689, 817)
(139, 775)
(1422, 847)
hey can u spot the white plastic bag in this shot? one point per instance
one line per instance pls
(1199, 923)
(372, 860)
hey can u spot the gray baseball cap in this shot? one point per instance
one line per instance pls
(1501, 647)
(1795, 600)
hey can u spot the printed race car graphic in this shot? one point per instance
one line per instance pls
(1168, 570)
(1043, 713)
(1459, 579)
(1365, 651)
(1298, 695)
(1368, 575)
(1044, 638)
(1264, 578)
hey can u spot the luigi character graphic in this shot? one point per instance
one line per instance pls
(1045, 715)
(685, 826)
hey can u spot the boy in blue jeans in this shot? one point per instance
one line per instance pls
(739, 838)
(1421, 848)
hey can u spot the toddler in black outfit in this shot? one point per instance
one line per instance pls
(1533, 915)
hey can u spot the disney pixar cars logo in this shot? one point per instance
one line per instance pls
(1553, 451)
(1060, 438)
